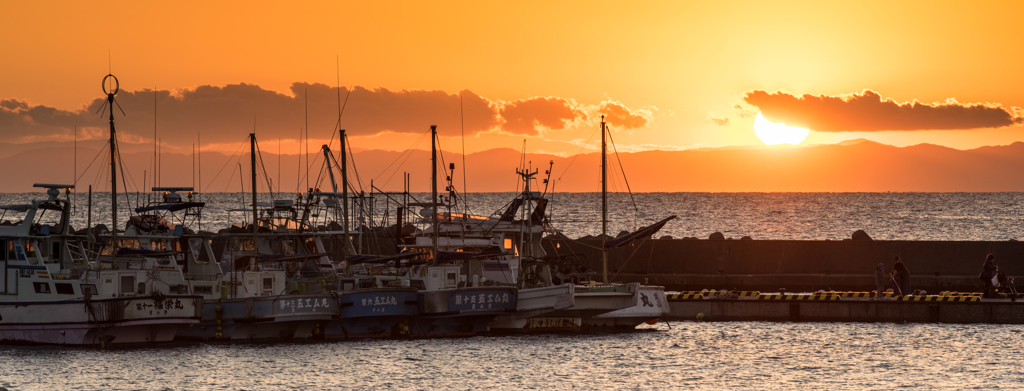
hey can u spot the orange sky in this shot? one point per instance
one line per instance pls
(672, 65)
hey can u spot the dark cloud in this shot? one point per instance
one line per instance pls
(228, 114)
(12, 104)
(524, 116)
(619, 115)
(867, 111)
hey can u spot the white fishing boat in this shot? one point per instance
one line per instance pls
(648, 302)
(51, 293)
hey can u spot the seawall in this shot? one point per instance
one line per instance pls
(998, 311)
(793, 265)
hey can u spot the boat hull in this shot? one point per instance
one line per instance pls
(373, 312)
(263, 318)
(123, 320)
(461, 311)
(537, 303)
(651, 305)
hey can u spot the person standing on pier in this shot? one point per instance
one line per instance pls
(879, 280)
(903, 274)
(988, 271)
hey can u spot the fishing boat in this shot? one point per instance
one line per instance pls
(449, 301)
(56, 287)
(246, 280)
(648, 301)
(50, 293)
(366, 309)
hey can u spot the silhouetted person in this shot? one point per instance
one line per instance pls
(988, 270)
(879, 280)
(903, 276)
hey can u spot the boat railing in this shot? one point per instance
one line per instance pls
(204, 277)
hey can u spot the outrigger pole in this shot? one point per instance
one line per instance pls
(604, 205)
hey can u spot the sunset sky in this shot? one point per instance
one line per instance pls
(670, 76)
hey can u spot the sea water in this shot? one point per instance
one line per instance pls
(667, 356)
(675, 355)
(803, 216)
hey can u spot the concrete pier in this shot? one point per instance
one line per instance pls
(794, 265)
(1000, 311)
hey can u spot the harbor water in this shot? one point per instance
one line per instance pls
(792, 216)
(690, 355)
(676, 355)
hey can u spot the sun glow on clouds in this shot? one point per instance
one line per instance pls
(773, 134)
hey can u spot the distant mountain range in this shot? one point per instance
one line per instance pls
(850, 166)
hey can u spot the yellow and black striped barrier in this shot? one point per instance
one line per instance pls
(792, 296)
(683, 296)
(862, 294)
(939, 298)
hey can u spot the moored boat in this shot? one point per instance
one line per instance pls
(51, 293)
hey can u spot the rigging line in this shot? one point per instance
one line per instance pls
(104, 149)
(238, 161)
(407, 153)
(444, 165)
(352, 158)
(124, 182)
(341, 110)
(259, 155)
(575, 156)
(623, 170)
(618, 203)
(101, 172)
(316, 159)
(226, 165)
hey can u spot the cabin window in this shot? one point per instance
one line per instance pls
(236, 244)
(55, 254)
(64, 289)
(42, 287)
(449, 279)
(44, 251)
(89, 289)
(5, 250)
(203, 290)
(128, 284)
(157, 245)
(198, 249)
(268, 284)
(142, 288)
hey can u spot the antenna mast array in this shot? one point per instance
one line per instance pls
(110, 87)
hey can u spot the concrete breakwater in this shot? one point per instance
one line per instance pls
(793, 265)
(849, 310)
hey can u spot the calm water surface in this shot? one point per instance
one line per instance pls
(813, 216)
(731, 355)
(734, 355)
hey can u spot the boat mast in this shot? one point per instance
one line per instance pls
(433, 184)
(344, 191)
(604, 206)
(255, 226)
(113, 163)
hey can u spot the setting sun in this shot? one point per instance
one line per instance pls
(773, 134)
